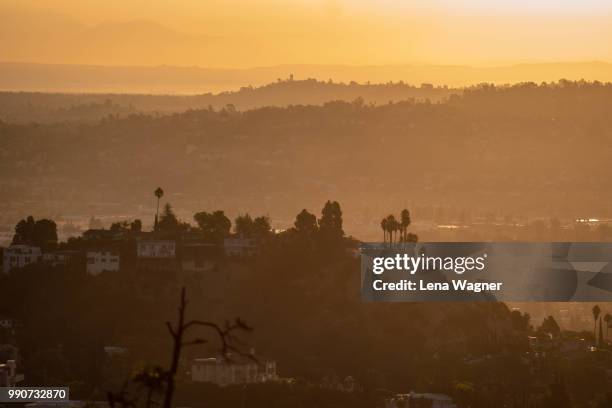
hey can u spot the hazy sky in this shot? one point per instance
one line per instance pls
(247, 33)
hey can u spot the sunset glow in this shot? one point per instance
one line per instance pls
(239, 33)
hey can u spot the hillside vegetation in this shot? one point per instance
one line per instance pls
(525, 149)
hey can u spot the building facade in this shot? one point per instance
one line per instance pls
(157, 255)
(222, 372)
(18, 256)
(101, 261)
(61, 258)
(238, 247)
(156, 249)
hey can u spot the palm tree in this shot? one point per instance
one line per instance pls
(397, 228)
(383, 225)
(391, 226)
(608, 319)
(159, 193)
(405, 223)
(596, 313)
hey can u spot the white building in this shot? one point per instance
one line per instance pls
(18, 256)
(221, 371)
(156, 249)
(101, 261)
(60, 258)
(239, 247)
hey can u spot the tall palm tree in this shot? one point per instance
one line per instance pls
(596, 313)
(383, 225)
(391, 226)
(405, 223)
(159, 193)
(398, 231)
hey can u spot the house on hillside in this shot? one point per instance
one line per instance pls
(18, 256)
(101, 261)
(62, 258)
(239, 247)
(234, 370)
(151, 249)
(157, 255)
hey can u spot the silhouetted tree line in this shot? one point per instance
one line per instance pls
(41, 233)
(301, 293)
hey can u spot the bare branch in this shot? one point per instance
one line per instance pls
(194, 342)
(230, 344)
(171, 330)
(211, 325)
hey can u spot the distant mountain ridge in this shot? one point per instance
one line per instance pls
(29, 107)
(196, 80)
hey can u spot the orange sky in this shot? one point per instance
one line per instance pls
(248, 33)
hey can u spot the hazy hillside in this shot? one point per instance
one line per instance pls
(194, 80)
(491, 149)
(26, 107)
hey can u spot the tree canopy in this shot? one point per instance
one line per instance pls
(41, 233)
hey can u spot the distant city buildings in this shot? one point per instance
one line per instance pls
(18, 256)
